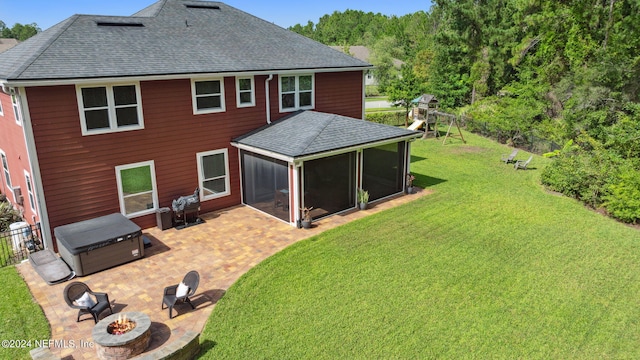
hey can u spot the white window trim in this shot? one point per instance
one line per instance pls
(238, 92)
(297, 106)
(1, 111)
(7, 173)
(113, 125)
(201, 178)
(28, 183)
(197, 111)
(154, 191)
(15, 104)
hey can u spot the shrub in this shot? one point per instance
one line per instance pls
(623, 198)
(8, 215)
(393, 118)
(564, 175)
(584, 175)
(372, 90)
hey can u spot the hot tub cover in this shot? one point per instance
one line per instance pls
(96, 233)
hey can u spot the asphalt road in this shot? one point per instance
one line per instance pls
(376, 104)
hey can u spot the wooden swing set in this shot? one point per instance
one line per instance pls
(427, 116)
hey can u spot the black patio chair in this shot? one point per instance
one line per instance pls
(79, 296)
(180, 293)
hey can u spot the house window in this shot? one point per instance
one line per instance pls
(137, 188)
(32, 199)
(245, 95)
(208, 96)
(1, 112)
(296, 92)
(15, 101)
(5, 167)
(111, 108)
(213, 174)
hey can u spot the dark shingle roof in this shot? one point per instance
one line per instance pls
(310, 132)
(363, 53)
(166, 38)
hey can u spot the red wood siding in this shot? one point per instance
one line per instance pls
(336, 93)
(340, 93)
(12, 142)
(78, 172)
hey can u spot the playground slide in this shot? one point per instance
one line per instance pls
(416, 125)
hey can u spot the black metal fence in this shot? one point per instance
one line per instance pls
(17, 243)
(523, 140)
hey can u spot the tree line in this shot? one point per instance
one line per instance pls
(18, 31)
(566, 71)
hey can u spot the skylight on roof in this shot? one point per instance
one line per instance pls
(121, 24)
(202, 6)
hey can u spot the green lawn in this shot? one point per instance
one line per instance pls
(375, 98)
(22, 318)
(488, 266)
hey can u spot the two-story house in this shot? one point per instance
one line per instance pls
(104, 114)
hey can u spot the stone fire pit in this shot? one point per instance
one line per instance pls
(124, 342)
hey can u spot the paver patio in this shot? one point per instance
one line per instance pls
(226, 246)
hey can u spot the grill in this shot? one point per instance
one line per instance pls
(186, 205)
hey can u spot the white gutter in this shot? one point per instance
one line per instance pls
(364, 94)
(268, 100)
(298, 160)
(267, 153)
(357, 147)
(116, 79)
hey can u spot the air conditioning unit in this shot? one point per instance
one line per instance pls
(17, 194)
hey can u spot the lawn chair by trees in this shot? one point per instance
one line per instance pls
(511, 157)
(521, 164)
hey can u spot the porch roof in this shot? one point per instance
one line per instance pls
(307, 133)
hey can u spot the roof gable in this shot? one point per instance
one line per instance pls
(310, 132)
(363, 53)
(166, 38)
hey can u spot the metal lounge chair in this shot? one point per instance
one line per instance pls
(521, 164)
(509, 158)
(180, 293)
(79, 296)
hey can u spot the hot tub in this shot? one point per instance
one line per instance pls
(97, 244)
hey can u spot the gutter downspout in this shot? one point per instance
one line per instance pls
(268, 100)
(5, 88)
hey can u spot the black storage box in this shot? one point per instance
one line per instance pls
(97, 244)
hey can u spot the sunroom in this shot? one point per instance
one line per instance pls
(319, 160)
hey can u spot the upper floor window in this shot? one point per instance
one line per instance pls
(5, 168)
(15, 101)
(110, 108)
(207, 96)
(1, 112)
(245, 95)
(296, 92)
